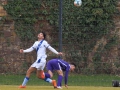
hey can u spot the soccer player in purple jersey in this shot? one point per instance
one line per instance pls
(60, 66)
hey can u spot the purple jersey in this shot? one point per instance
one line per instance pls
(59, 64)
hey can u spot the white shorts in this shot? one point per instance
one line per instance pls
(39, 64)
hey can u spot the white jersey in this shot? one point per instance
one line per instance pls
(41, 53)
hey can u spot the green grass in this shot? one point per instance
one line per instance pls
(14, 87)
(92, 80)
(74, 80)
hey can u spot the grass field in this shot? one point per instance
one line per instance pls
(75, 82)
(12, 87)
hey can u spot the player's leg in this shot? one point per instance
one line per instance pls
(42, 75)
(60, 77)
(50, 73)
(48, 77)
(26, 79)
(40, 68)
(53, 82)
(50, 68)
(53, 65)
(57, 67)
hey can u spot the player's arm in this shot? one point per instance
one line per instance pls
(28, 50)
(52, 49)
(66, 77)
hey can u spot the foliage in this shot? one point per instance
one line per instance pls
(91, 20)
(112, 42)
(86, 24)
(82, 26)
(25, 13)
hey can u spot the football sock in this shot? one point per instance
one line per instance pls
(47, 75)
(48, 80)
(59, 81)
(26, 79)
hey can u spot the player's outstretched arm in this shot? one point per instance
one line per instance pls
(60, 53)
(21, 50)
(54, 51)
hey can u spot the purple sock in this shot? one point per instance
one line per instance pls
(59, 82)
(47, 78)
(47, 75)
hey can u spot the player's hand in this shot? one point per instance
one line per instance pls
(60, 53)
(21, 50)
(66, 86)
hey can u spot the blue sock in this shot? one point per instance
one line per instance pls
(26, 79)
(48, 80)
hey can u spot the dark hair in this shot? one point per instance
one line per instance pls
(44, 35)
(73, 64)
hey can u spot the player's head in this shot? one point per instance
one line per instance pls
(44, 35)
(41, 35)
(72, 66)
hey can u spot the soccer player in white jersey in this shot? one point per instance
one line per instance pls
(40, 46)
